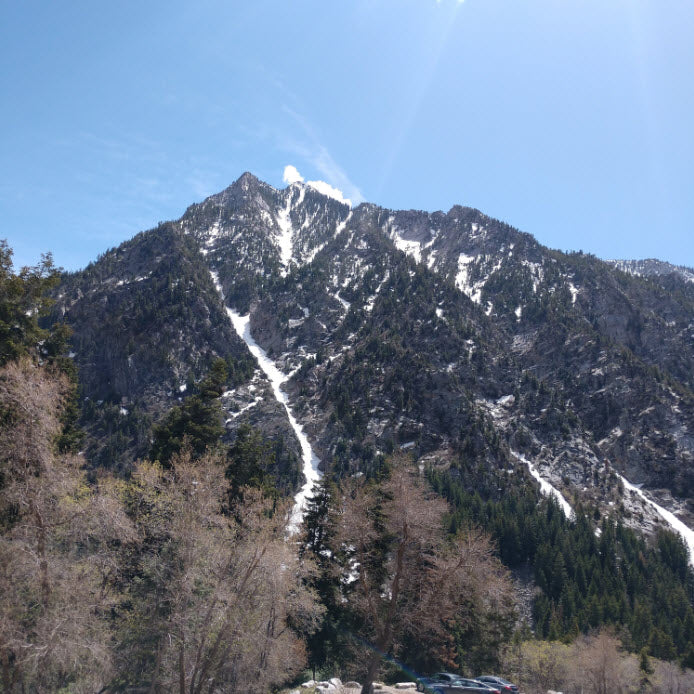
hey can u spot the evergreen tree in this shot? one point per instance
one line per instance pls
(586, 582)
(326, 645)
(55, 349)
(23, 300)
(198, 420)
(248, 460)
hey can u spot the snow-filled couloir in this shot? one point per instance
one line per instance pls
(310, 460)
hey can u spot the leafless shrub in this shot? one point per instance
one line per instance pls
(220, 593)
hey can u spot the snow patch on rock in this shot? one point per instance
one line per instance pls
(277, 379)
(411, 248)
(545, 487)
(284, 238)
(670, 518)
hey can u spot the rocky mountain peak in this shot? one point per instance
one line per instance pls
(450, 334)
(505, 370)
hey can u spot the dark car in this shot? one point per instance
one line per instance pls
(499, 682)
(444, 682)
(435, 686)
(450, 683)
(446, 677)
(477, 686)
(491, 688)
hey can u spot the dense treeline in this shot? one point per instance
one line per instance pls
(588, 578)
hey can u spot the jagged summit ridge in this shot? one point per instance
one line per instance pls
(652, 267)
(447, 334)
(277, 226)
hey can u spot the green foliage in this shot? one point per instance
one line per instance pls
(55, 350)
(645, 662)
(23, 299)
(329, 643)
(198, 420)
(248, 460)
(116, 435)
(587, 579)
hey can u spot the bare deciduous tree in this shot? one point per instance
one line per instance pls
(593, 664)
(54, 555)
(601, 667)
(208, 597)
(669, 678)
(401, 576)
(215, 595)
(541, 665)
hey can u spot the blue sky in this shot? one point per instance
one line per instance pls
(569, 120)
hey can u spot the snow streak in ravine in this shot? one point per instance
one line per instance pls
(670, 518)
(545, 487)
(277, 378)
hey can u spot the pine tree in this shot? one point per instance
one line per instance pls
(198, 421)
(248, 460)
(23, 299)
(645, 667)
(325, 643)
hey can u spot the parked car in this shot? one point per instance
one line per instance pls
(446, 677)
(450, 683)
(434, 686)
(500, 683)
(491, 689)
(477, 686)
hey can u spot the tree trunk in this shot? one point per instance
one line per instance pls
(181, 668)
(154, 686)
(6, 678)
(371, 670)
(43, 560)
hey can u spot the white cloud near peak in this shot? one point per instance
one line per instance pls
(292, 175)
(330, 191)
(317, 155)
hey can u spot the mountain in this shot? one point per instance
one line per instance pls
(653, 268)
(450, 336)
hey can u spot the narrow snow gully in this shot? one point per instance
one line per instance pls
(670, 518)
(545, 487)
(284, 240)
(277, 378)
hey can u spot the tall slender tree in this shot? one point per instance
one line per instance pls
(403, 580)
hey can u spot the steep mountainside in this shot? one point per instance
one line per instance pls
(653, 268)
(148, 322)
(451, 336)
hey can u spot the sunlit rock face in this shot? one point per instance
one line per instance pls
(445, 335)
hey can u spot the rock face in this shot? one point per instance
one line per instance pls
(653, 268)
(440, 334)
